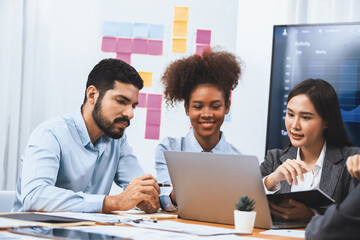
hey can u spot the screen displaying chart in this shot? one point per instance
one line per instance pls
(327, 51)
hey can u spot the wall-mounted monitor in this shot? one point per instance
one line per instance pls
(327, 51)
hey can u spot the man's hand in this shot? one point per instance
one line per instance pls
(143, 191)
(147, 207)
(288, 171)
(291, 210)
(353, 166)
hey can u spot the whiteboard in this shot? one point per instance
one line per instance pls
(67, 40)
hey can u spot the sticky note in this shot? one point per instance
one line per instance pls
(180, 29)
(140, 46)
(147, 78)
(178, 45)
(109, 29)
(203, 36)
(154, 101)
(153, 117)
(152, 132)
(108, 44)
(155, 47)
(200, 48)
(181, 14)
(156, 31)
(142, 100)
(124, 29)
(126, 57)
(124, 45)
(141, 30)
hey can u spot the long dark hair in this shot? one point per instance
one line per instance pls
(323, 96)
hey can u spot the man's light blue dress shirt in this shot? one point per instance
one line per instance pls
(61, 170)
(186, 144)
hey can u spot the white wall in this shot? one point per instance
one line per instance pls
(254, 45)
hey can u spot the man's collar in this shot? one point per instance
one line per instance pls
(81, 128)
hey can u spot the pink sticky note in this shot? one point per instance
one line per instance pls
(203, 36)
(142, 100)
(140, 46)
(124, 45)
(155, 47)
(108, 44)
(152, 132)
(154, 101)
(126, 57)
(153, 117)
(200, 48)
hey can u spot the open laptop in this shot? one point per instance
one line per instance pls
(207, 186)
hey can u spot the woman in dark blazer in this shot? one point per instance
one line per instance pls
(317, 152)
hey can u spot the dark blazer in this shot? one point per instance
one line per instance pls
(335, 179)
(339, 221)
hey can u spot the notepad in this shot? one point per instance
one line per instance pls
(141, 214)
(314, 198)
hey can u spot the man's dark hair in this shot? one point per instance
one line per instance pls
(323, 96)
(107, 71)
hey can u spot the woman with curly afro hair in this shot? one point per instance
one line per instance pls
(204, 83)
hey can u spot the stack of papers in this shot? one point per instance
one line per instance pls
(13, 223)
(195, 229)
(286, 233)
(142, 233)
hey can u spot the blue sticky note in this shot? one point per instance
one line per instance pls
(110, 29)
(141, 30)
(124, 29)
(156, 31)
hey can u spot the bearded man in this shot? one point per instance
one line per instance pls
(71, 161)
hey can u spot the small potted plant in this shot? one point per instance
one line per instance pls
(244, 215)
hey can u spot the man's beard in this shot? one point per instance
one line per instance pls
(105, 125)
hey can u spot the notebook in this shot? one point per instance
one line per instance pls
(314, 198)
(208, 185)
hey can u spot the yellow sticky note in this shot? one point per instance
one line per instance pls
(179, 45)
(181, 14)
(147, 77)
(180, 29)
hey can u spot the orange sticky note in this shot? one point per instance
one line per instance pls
(181, 14)
(179, 45)
(147, 77)
(180, 29)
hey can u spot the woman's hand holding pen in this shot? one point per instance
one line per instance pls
(288, 171)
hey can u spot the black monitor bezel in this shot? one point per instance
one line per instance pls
(272, 62)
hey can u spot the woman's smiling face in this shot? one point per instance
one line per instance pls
(207, 110)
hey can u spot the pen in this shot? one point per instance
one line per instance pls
(165, 185)
(139, 220)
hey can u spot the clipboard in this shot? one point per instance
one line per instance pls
(314, 198)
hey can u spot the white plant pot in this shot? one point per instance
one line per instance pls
(244, 221)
